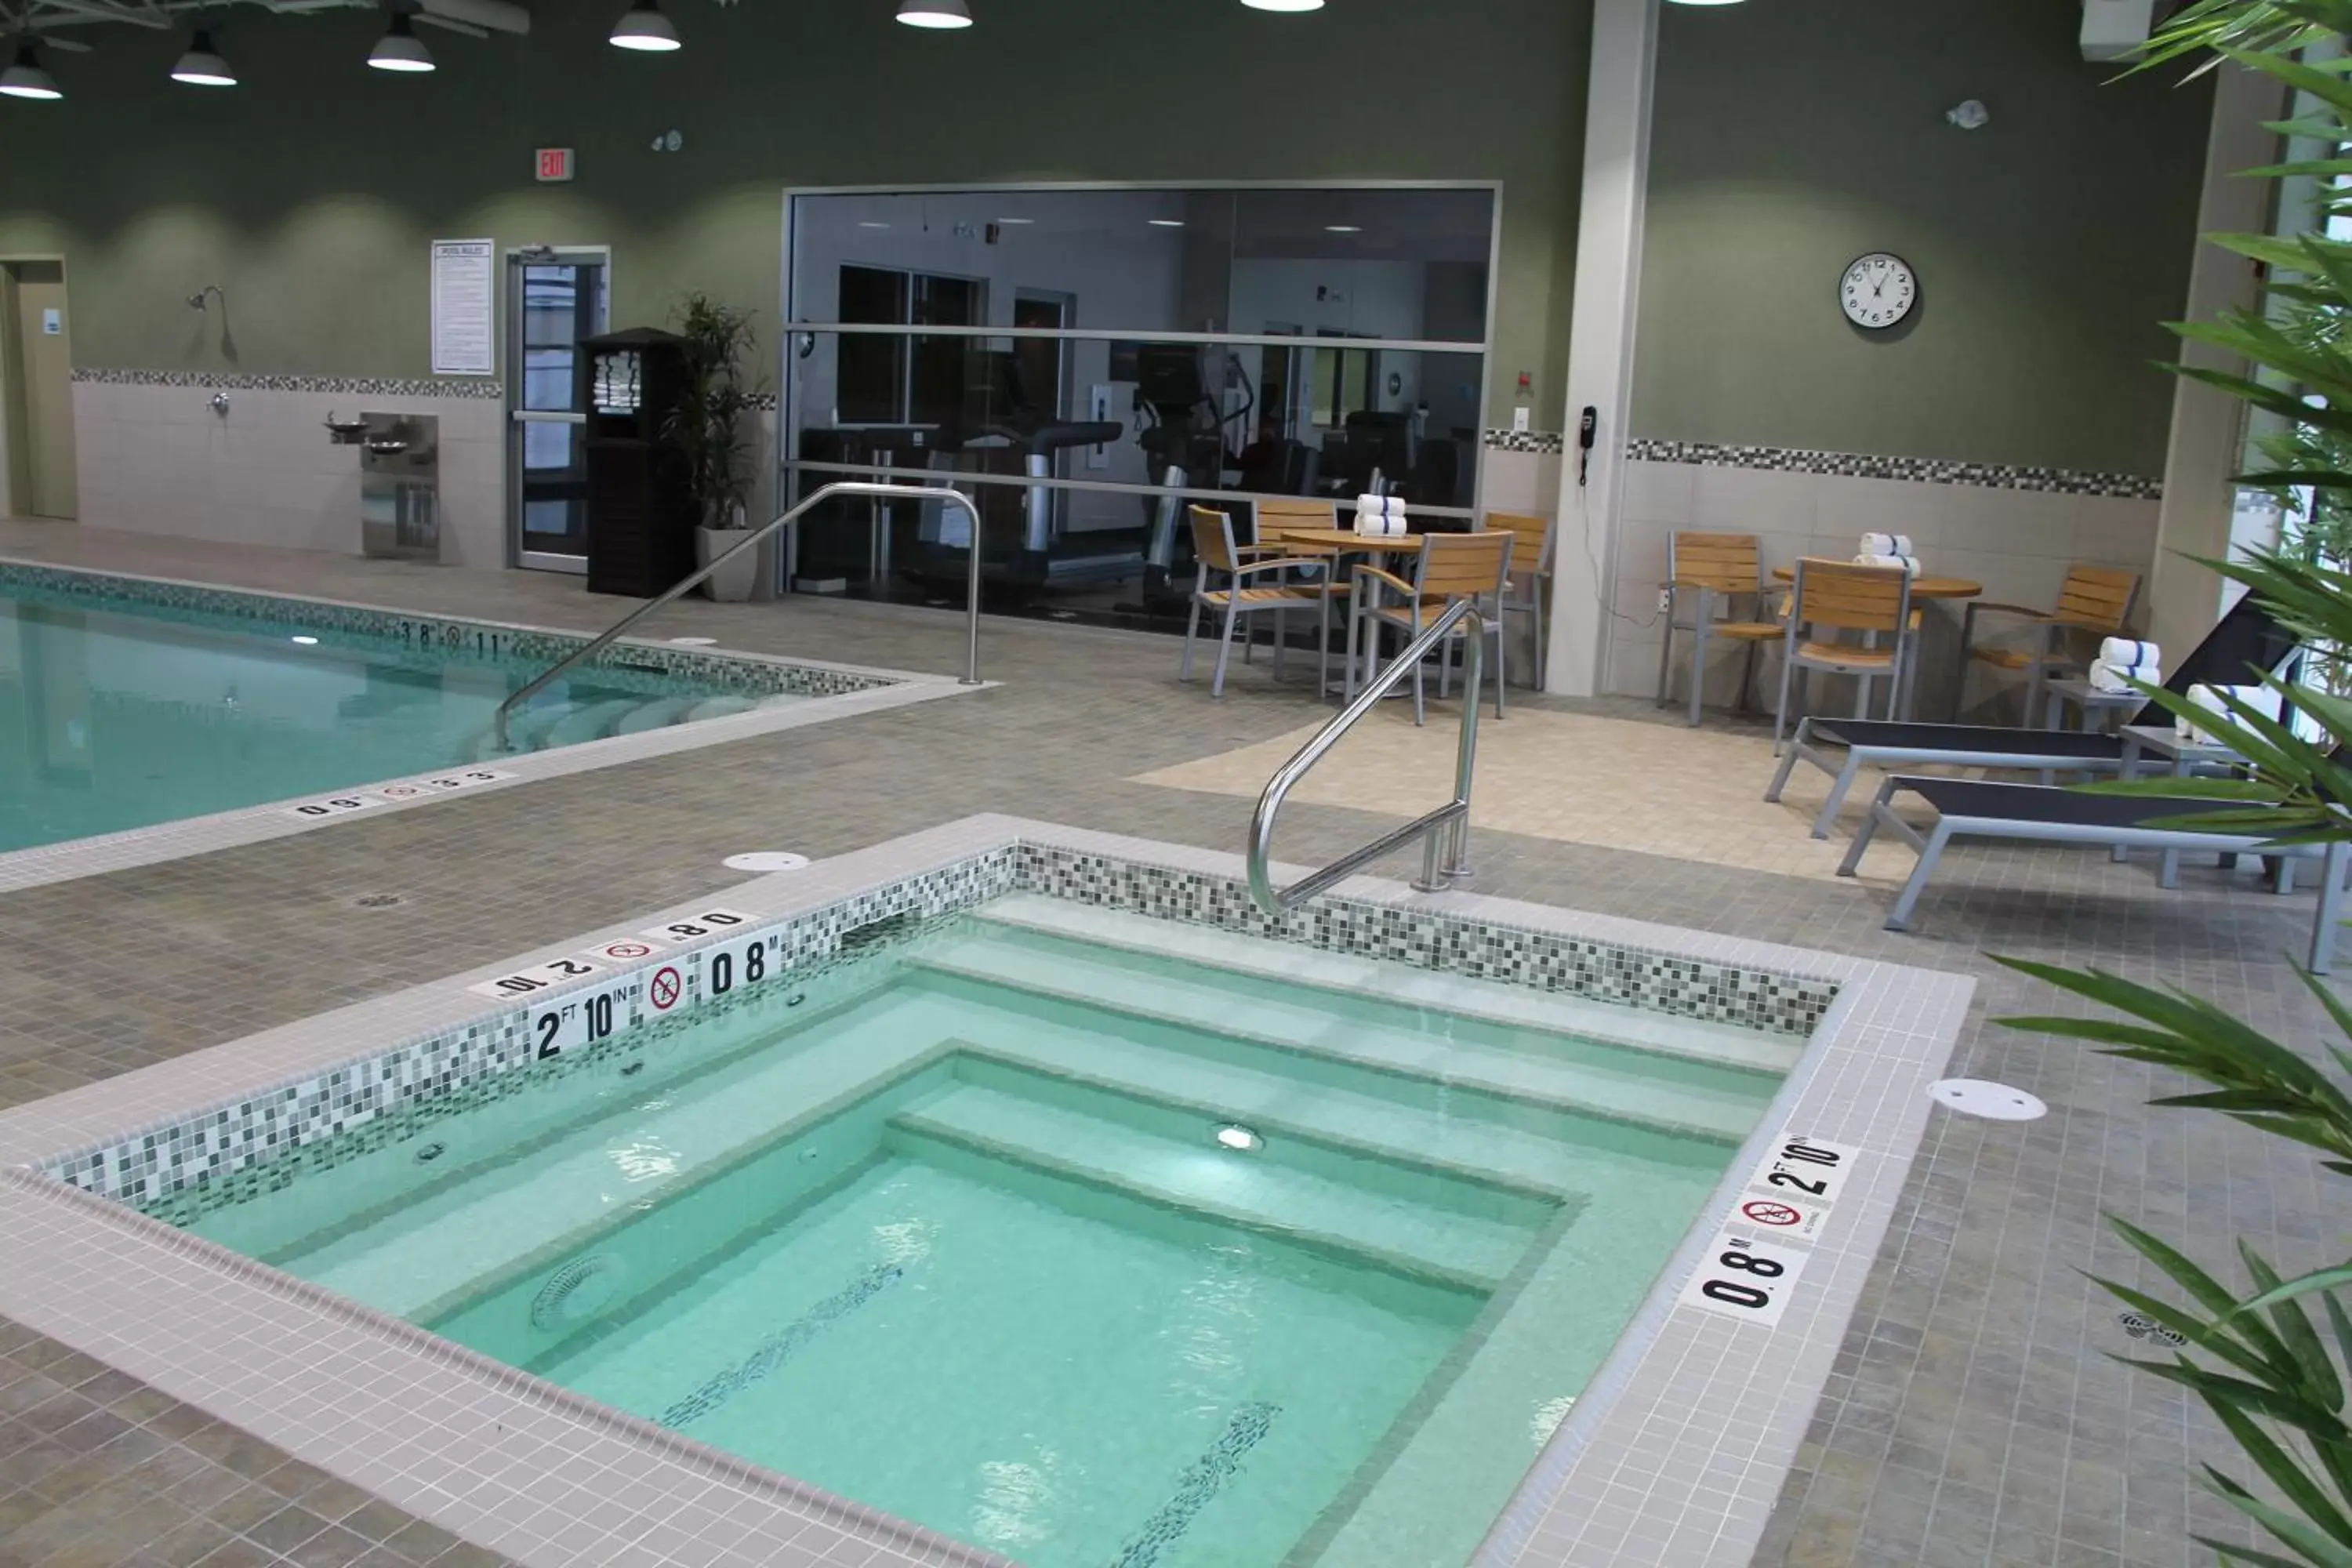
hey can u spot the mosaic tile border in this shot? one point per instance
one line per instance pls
(1526, 441)
(1918, 471)
(448, 638)
(225, 1153)
(489, 387)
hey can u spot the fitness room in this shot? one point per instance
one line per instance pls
(1090, 361)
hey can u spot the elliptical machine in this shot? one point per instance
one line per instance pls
(1184, 447)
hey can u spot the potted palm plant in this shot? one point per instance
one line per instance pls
(707, 429)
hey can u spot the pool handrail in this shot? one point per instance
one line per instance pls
(692, 579)
(1446, 831)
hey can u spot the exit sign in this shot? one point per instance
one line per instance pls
(554, 162)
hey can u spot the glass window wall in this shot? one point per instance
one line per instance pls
(1086, 363)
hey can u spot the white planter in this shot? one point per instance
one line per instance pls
(740, 578)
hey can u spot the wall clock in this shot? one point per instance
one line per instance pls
(1877, 291)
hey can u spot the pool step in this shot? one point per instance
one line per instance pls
(1388, 980)
(1509, 1158)
(592, 721)
(1208, 1002)
(718, 708)
(655, 713)
(1233, 1187)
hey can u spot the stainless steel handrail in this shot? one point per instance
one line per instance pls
(611, 634)
(1441, 867)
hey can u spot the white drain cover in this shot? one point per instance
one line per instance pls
(767, 861)
(1978, 1098)
(695, 642)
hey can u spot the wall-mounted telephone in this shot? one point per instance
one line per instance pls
(1588, 426)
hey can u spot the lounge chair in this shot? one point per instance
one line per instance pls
(2039, 813)
(2246, 638)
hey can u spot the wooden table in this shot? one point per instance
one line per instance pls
(1922, 586)
(1339, 543)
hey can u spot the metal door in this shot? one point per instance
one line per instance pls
(554, 299)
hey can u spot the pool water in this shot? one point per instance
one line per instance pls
(961, 1230)
(118, 715)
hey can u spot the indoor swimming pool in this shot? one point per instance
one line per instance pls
(125, 707)
(1184, 1264)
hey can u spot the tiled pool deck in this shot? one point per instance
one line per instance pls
(1971, 1416)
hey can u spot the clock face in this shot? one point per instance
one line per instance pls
(1878, 291)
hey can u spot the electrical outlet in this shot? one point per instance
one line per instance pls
(1665, 601)
(1520, 421)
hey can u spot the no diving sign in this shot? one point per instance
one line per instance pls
(664, 989)
(1782, 1217)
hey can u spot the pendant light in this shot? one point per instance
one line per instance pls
(203, 66)
(400, 50)
(26, 78)
(1287, 5)
(939, 14)
(644, 27)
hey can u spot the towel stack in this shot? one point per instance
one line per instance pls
(1888, 550)
(1379, 516)
(2122, 661)
(2261, 698)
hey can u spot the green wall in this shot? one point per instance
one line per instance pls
(2050, 244)
(311, 192)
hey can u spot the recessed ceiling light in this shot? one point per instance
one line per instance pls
(643, 27)
(305, 641)
(1017, 220)
(1166, 221)
(869, 223)
(1343, 229)
(1705, 1)
(26, 78)
(400, 50)
(202, 66)
(1283, 5)
(1234, 1135)
(944, 15)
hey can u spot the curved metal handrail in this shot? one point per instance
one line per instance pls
(611, 634)
(1440, 868)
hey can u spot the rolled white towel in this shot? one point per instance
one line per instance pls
(1380, 503)
(2125, 653)
(2204, 697)
(1886, 544)
(1910, 563)
(2107, 677)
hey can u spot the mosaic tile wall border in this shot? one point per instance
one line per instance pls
(446, 640)
(353, 386)
(1605, 972)
(1526, 441)
(1918, 470)
(224, 1154)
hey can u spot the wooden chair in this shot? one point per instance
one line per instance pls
(1213, 544)
(2096, 600)
(1279, 518)
(1449, 567)
(1830, 596)
(1528, 592)
(1721, 569)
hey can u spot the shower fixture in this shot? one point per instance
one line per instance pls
(196, 299)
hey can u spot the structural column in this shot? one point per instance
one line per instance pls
(1601, 338)
(2208, 425)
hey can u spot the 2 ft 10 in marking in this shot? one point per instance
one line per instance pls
(583, 1020)
(1806, 1167)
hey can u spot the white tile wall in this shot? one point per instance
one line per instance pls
(2016, 542)
(157, 459)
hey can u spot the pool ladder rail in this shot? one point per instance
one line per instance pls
(1445, 832)
(692, 579)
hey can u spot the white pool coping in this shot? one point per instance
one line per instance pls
(101, 853)
(1674, 1453)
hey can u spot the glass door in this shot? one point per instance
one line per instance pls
(554, 299)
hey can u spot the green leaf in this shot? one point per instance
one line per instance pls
(2320, 1384)
(2291, 1479)
(2319, 1550)
(2277, 1292)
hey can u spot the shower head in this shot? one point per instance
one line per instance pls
(196, 299)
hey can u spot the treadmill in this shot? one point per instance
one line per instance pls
(998, 422)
